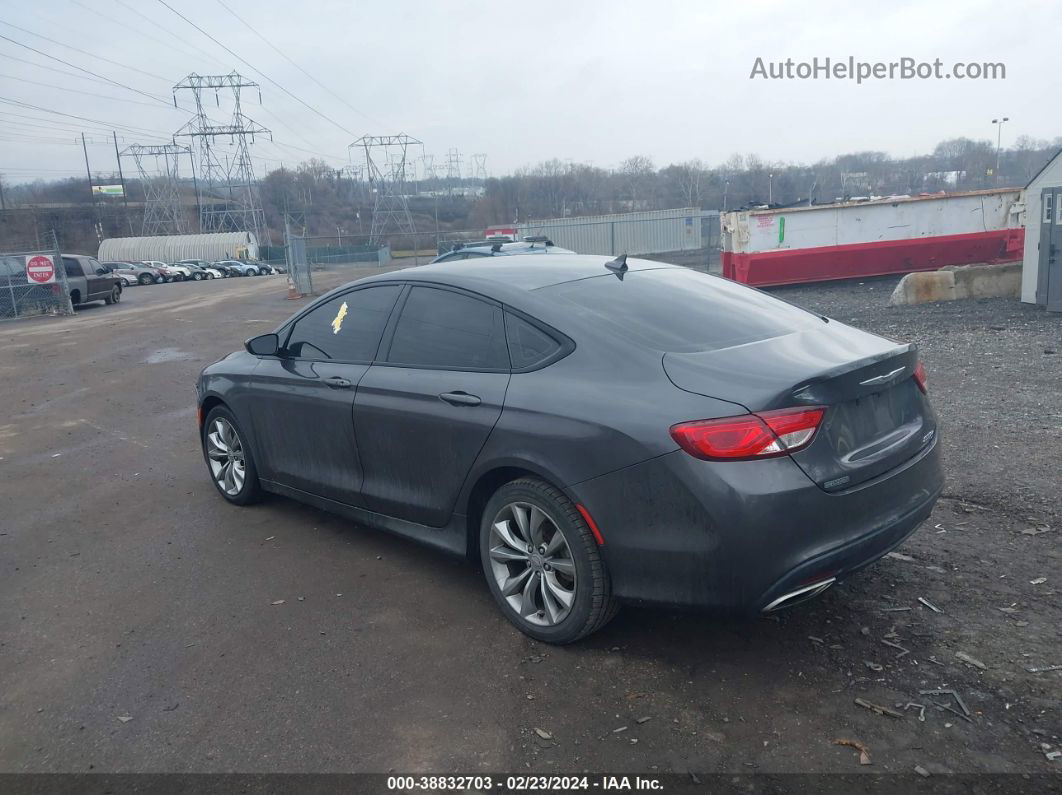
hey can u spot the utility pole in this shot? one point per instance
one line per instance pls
(999, 140)
(3, 205)
(121, 178)
(92, 193)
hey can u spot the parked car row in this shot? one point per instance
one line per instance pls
(155, 272)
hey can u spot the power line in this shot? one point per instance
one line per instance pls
(259, 71)
(80, 69)
(284, 55)
(30, 128)
(138, 32)
(96, 77)
(5, 135)
(64, 72)
(68, 127)
(128, 127)
(168, 103)
(166, 30)
(9, 169)
(105, 126)
(76, 91)
(83, 52)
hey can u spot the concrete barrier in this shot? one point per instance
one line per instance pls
(957, 282)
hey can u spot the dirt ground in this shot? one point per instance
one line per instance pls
(142, 628)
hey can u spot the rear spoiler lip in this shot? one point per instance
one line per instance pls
(811, 390)
(823, 387)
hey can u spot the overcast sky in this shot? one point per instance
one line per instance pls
(588, 80)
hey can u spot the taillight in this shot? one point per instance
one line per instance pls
(920, 378)
(763, 435)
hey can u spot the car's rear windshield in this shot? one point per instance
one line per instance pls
(680, 310)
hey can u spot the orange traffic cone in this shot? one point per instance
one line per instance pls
(293, 295)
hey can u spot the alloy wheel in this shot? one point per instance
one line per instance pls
(225, 453)
(532, 564)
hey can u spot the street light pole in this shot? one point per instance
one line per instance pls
(999, 140)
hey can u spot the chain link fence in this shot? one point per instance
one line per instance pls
(689, 238)
(297, 263)
(33, 282)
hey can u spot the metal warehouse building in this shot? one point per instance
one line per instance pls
(171, 248)
(650, 232)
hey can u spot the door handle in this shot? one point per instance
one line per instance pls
(460, 399)
(336, 382)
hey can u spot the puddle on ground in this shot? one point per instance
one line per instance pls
(168, 355)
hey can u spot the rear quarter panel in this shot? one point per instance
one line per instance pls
(601, 408)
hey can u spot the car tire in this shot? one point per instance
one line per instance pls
(115, 296)
(145, 278)
(197, 277)
(126, 282)
(221, 434)
(566, 593)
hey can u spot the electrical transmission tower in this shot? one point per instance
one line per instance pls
(480, 170)
(158, 169)
(386, 168)
(228, 193)
(408, 167)
(453, 169)
(427, 167)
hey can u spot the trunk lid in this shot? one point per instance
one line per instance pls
(876, 416)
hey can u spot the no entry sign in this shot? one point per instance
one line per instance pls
(40, 269)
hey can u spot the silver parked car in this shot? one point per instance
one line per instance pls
(243, 268)
(130, 273)
(498, 248)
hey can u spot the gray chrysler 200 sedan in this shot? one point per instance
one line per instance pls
(593, 431)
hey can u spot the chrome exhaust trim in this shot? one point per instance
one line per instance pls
(800, 594)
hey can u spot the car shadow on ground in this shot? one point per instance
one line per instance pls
(683, 637)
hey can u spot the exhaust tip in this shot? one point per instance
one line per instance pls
(799, 595)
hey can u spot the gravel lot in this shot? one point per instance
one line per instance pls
(140, 630)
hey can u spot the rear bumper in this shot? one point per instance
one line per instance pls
(740, 535)
(850, 557)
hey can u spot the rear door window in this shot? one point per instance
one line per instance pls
(72, 267)
(679, 310)
(528, 344)
(449, 330)
(346, 328)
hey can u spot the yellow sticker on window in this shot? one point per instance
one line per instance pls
(337, 324)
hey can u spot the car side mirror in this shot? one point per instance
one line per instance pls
(102, 271)
(263, 345)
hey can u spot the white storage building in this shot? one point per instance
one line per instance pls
(173, 248)
(1043, 230)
